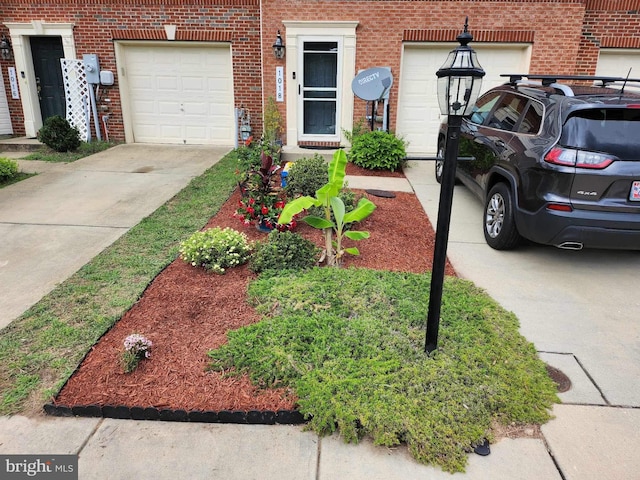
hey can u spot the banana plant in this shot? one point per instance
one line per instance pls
(327, 198)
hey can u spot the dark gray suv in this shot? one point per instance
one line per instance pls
(554, 163)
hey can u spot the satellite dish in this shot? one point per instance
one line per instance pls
(372, 84)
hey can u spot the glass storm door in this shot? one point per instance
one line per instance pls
(319, 91)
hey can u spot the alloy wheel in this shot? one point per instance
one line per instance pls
(494, 218)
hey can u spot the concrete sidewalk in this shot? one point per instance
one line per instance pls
(54, 223)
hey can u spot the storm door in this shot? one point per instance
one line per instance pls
(318, 91)
(47, 52)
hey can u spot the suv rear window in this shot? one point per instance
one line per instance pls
(615, 131)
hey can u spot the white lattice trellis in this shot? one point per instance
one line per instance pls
(76, 92)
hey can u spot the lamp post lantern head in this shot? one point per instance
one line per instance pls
(278, 47)
(460, 78)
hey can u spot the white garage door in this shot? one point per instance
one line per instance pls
(5, 117)
(613, 62)
(418, 110)
(178, 93)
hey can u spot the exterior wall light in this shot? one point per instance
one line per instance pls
(6, 52)
(459, 82)
(278, 47)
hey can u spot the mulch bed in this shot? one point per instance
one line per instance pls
(187, 311)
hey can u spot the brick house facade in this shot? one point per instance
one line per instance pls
(327, 43)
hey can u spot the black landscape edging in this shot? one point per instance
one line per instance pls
(122, 412)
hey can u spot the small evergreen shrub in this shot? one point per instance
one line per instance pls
(284, 251)
(8, 169)
(306, 175)
(57, 134)
(216, 249)
(378, 150)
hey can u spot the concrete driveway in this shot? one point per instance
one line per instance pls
(63, 217)
(582, 305)
(580, 309)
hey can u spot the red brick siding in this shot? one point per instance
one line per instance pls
(96, 22)
(608, 24)
(566, 34)
(554, 26)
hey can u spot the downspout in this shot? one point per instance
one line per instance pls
(262, 101)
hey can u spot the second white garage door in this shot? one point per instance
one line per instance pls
(5, 117)
(418, 111)
(616, 62)
(179, 94)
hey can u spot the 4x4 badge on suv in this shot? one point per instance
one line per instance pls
(587, 194)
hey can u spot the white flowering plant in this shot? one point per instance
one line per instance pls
(216, 249)
(136, 348)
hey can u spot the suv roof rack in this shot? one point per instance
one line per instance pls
(552, 80)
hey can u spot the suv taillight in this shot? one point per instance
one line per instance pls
(578, 158)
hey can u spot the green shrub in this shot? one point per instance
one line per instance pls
(378, 150)
(216, 249)
(248, 157)
(8, 169)
(306, 175)
(359, 128)
(284, 251)
(57, 134)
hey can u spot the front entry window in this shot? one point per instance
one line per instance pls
(319, 88)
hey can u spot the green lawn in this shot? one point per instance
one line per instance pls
(351, 344)
(85, 149)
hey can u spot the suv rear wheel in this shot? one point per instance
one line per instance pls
(499, 223)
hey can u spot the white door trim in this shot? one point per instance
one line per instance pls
(20, 33)
(295, 31)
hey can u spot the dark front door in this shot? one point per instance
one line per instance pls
(47, 52)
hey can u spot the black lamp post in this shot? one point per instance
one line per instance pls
(459, 81)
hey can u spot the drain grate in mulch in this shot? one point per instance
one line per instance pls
(381, 193)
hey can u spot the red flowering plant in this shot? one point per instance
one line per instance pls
(262, 199)
(263, 210)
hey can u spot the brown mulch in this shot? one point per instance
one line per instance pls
(187, 311)
(353, 169)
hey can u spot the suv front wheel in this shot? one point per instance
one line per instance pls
(440, 161)
(500, 230)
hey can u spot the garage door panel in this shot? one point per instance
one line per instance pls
(177, 92)
(199, 109)
(615, 62)
(143, 107)
(418, 110)
(169, 108)
(169, 84)
(193, 84)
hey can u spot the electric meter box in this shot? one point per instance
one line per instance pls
(91, 67)
(106, 77)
